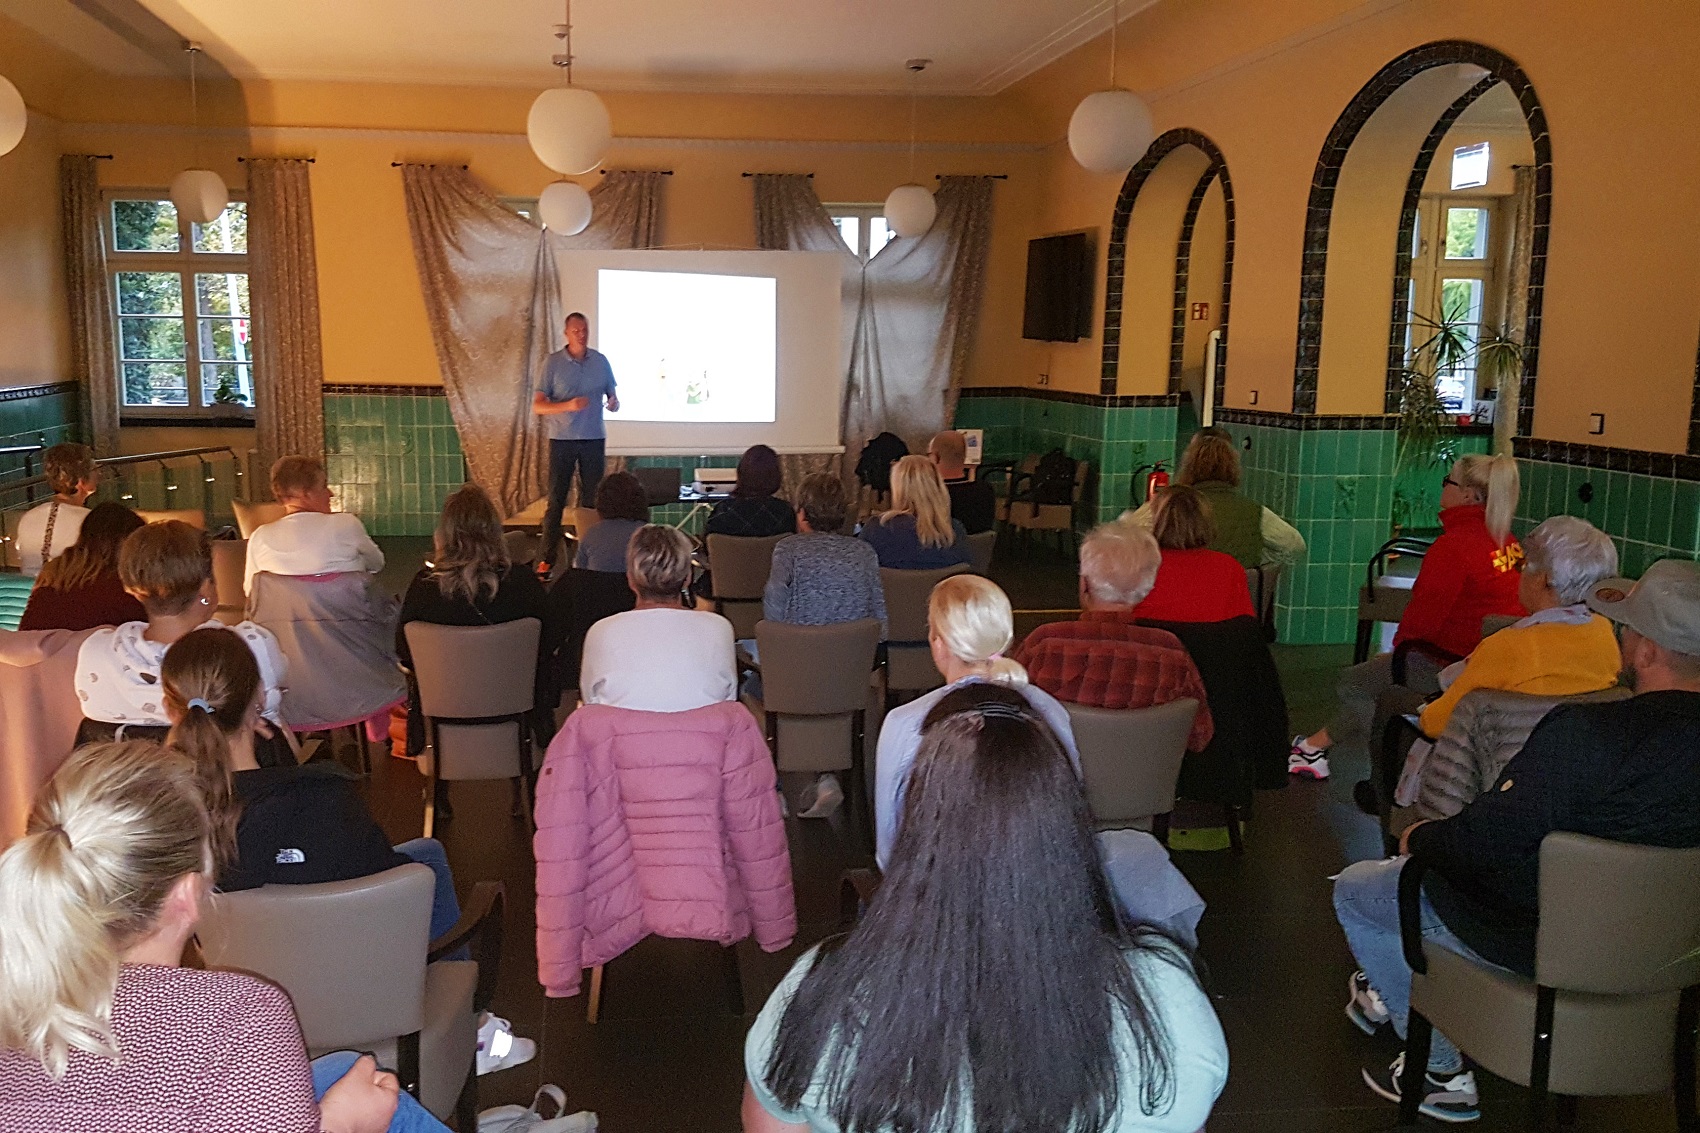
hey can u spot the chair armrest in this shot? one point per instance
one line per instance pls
(855, 889)
(1404, 649)
(1411, 913)
(480, 925)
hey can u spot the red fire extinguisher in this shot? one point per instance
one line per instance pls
(1159, 478)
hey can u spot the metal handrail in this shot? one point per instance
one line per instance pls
(137, 458)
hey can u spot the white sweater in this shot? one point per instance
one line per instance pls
(311, 542)
(659, 661)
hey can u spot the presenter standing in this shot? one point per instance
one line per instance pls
(576, 380)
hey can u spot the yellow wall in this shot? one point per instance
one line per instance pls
(1203, 285)
(34, 320)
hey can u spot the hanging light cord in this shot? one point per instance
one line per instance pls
(194, 106)
(1115, 24)
(912, 112)
(564, 33)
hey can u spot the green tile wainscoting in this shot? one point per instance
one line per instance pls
(392, 455)
(1649, 503)
(37, 415)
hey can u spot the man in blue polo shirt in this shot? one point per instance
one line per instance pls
(570, 397)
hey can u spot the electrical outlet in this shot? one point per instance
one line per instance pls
(1254, 397)
(1596, 424)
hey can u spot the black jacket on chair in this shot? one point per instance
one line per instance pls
(1249, 748)
(578, 600)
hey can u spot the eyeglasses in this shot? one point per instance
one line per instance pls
(1449, 480)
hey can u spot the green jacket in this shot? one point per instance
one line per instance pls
(1239, 523)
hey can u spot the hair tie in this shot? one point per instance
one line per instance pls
(997, 709)
(60, 830)
(995, 657)
(198, 702)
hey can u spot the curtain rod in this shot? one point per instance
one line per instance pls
(308, 160)
(990, 176)
(399, 164)
(779, 175)
(663, 172)
(99, 156)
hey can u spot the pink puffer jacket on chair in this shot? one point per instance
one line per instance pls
(657, 822)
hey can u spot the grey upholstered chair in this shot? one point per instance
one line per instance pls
(909, 659)
(1616, 995)
(739, 566)
(477, 687)
(1131, 760)
(230, 560)
(981, 546)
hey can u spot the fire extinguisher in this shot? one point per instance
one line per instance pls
(1159, 478)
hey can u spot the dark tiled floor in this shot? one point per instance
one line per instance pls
(667, 1053)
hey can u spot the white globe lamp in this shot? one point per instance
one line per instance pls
(569, 130)
(910, 210)
(1110, 131)
(13, 116)
(564, 208)
(200, 195)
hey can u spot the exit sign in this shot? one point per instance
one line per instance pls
(1200, 312)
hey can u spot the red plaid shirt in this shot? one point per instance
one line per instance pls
(1106, 660)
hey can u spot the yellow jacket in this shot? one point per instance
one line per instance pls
(1545, 659)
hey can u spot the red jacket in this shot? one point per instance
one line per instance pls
(1200, 585)
(1466, 576)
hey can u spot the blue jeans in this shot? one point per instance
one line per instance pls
(1366, 901)
(564, 456)
(445, 907)
(410, 1116)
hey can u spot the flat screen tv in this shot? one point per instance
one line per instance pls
(1059, 289)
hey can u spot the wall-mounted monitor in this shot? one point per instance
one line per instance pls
(1059, 289)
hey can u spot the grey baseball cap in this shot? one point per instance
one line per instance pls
(1664, 605)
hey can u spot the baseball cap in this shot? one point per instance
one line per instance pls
(1664, 605)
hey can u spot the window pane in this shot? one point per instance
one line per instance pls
(227, 234)
(1461, 306)
(144, 226)
(1470, 166)
(878, 235)
(150, 339)
(155, 383)
(224, 339)
(1466, 233)
(223, 294)
(150, 293)
(850, 227)
(227, 383)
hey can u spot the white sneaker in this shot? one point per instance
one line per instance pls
(498, 1046)
(1365, 1008)
(1446, 1097)
(828, 797)
(1303, 762)
(519, 1119)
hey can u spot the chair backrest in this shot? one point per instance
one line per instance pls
(1616, 918)
(338, 633)
(1131, 758)
(229, 560)
(906, 595)
(980, 547)
(351, 954)
(740, 565)
(816, 670)
(522, 546)
(250, 517)
(474, 671)
(193, 516)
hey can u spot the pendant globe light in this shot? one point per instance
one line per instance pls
(568, 127)
(910, 209)
(564, 208)
(1111, 129)
(199, 194)
(13, 116)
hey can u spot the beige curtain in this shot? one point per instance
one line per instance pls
(492, 295)
(910, 313)
(289, 366)
(93, 332)
(1516, 301)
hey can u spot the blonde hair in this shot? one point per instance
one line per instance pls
(471, 556)
(214, 668)
(1119, 562)
(917, 489)
(110, 835)
(658, 562)
(972, 616)
(1181, 519)
(164, 565)
(1495, 478)
(296, 475)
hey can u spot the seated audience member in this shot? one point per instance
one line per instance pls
(310, 538)
(1059, 1015)
(754, 509)
(659, 656)
(622, 507)
(1106, 659)
(48, 529)
(472, 582)
(100, 1026)
(972, 502)
(918, 532)
(1469, 573)
(167, 567)
(80, 589)
(820, 577)
(1627, 770)
(1245, 529)
(1194, 583)
(1561, 648)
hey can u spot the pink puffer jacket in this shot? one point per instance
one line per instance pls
(657, 822)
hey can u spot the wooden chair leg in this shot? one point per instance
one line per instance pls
(431, 781)
(593, 1009)
(364, 749)
(466, 1105)
(1540, 1065)
(1236, 837)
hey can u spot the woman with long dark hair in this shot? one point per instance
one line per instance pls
(991, 984)
(754, 508)
(80, 589)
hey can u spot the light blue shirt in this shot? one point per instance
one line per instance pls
(900, 739)
(566, 377)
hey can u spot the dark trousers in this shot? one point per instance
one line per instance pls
(564, 456)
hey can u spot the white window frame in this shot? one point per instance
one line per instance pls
(186, 263)
(1430, 268)
(865, 212)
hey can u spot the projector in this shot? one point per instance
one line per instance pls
(716, 479)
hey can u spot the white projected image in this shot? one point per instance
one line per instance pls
(690, 347)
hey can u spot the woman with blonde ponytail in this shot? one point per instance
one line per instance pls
(918, 532)
(970, 628)
(99, 1026)
(1471, 572)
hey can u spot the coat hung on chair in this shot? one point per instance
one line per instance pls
(657, 822)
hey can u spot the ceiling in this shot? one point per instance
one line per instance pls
(978, 47)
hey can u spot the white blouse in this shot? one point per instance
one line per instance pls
(118, 672)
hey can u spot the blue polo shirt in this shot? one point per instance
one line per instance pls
(566, 377)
